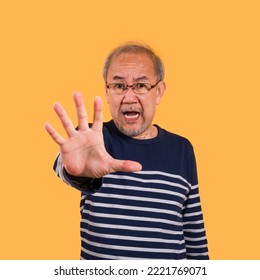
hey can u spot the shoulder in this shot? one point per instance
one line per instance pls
(171, 138)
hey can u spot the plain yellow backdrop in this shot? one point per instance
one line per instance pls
(49, 49)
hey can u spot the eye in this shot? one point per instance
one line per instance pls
(119, 86)
(140, 85)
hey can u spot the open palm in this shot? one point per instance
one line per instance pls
(83, 153)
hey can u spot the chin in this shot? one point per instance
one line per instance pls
(131, 130)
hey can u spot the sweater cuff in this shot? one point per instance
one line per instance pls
(84, 184)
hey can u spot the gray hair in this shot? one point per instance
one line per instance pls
(137, 48)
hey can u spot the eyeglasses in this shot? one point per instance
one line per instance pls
(138, 88)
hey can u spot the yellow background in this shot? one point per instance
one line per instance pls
(51, 48)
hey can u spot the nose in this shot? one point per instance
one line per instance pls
(129, 96)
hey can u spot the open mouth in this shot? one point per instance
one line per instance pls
(131, 115)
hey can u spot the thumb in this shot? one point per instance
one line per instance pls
(126, 166)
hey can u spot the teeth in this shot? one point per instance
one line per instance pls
(132, 116)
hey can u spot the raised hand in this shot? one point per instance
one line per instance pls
(83, 153)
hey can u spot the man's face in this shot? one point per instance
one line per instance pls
(133, 113)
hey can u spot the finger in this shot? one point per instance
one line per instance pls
(65, 120)
(81, 111)
(54, 134)
(126, 166)
(98, 114)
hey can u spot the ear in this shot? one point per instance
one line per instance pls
(107, 93)
(160, 92)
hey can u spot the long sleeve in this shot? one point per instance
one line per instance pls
(85, 185)
(151, 214)
(193, 224)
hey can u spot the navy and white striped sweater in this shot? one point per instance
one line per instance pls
(151, 214)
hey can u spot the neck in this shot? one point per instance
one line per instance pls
(152, 132)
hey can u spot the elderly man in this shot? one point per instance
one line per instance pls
(139, 186)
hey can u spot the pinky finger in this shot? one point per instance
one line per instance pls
(54, 134)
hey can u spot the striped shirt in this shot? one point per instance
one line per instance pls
(151, 214)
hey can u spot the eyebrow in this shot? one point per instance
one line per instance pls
(136, 80)
(118, 78)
